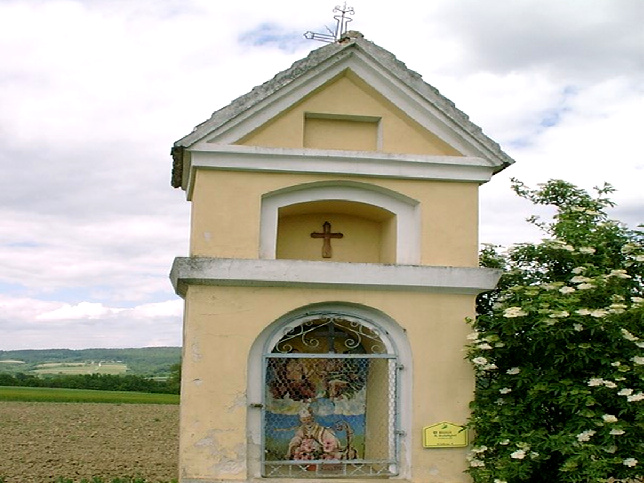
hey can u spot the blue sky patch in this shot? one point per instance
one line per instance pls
(273, 35)
(552, 117)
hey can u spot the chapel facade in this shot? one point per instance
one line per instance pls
(333, 263)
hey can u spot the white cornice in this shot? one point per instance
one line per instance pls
(330, 275)
(356, 163)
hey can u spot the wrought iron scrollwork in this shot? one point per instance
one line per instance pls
(339, 333)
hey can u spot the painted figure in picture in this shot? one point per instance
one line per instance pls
(312, 441)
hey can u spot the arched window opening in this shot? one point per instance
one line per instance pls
(330, 400)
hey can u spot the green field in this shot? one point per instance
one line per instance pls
(46, 394)
(147, 361)
(74, 368)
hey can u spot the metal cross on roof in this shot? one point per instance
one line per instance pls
(341, 22)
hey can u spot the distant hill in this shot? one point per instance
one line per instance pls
(147, 361)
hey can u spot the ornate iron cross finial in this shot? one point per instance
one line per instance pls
(327, 235)
(341, 22)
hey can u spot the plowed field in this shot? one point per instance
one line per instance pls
(40, 442)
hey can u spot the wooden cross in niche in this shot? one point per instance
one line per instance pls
(326, 235)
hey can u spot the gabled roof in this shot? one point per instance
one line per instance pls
(401, 85)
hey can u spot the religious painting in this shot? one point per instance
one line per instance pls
(317, 395)
(315, 409)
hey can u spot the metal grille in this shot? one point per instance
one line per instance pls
(330, 406)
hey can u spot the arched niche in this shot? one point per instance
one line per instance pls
(368, 232)
(382, 226)
(333, 384)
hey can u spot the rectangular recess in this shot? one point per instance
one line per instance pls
(341, 132)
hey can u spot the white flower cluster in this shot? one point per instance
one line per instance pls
(598, 381)
(512, 312)
(588, 211)
(580, 279)
(597, 313)
(585, 286)
(523, 451)
(474, 459)
(630, 248)
(585, 435)
(551, 286)
(560, 314)
(617, 308)
(518, 454)
(483, 364)
(609, 418)
(559, 245)
(628, 336)
(630, 397)
(627, 392)
(619, 273)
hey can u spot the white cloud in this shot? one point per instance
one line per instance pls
(92, 311)
(38, 324)
(170, 308)
(93, 95)
(83, 310)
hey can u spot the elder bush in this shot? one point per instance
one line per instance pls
(558, 349)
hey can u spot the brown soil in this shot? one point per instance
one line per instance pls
(40, 442)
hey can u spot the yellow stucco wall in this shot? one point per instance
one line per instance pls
(224, 322)
(221, 323)
(226, 210)
(348, 97)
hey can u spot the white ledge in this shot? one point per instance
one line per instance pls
(316, 161)
(300, 273)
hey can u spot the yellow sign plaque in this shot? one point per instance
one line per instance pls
(444, 435)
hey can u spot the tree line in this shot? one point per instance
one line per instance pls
(103, 382)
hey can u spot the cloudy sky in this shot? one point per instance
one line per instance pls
(94, 93)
